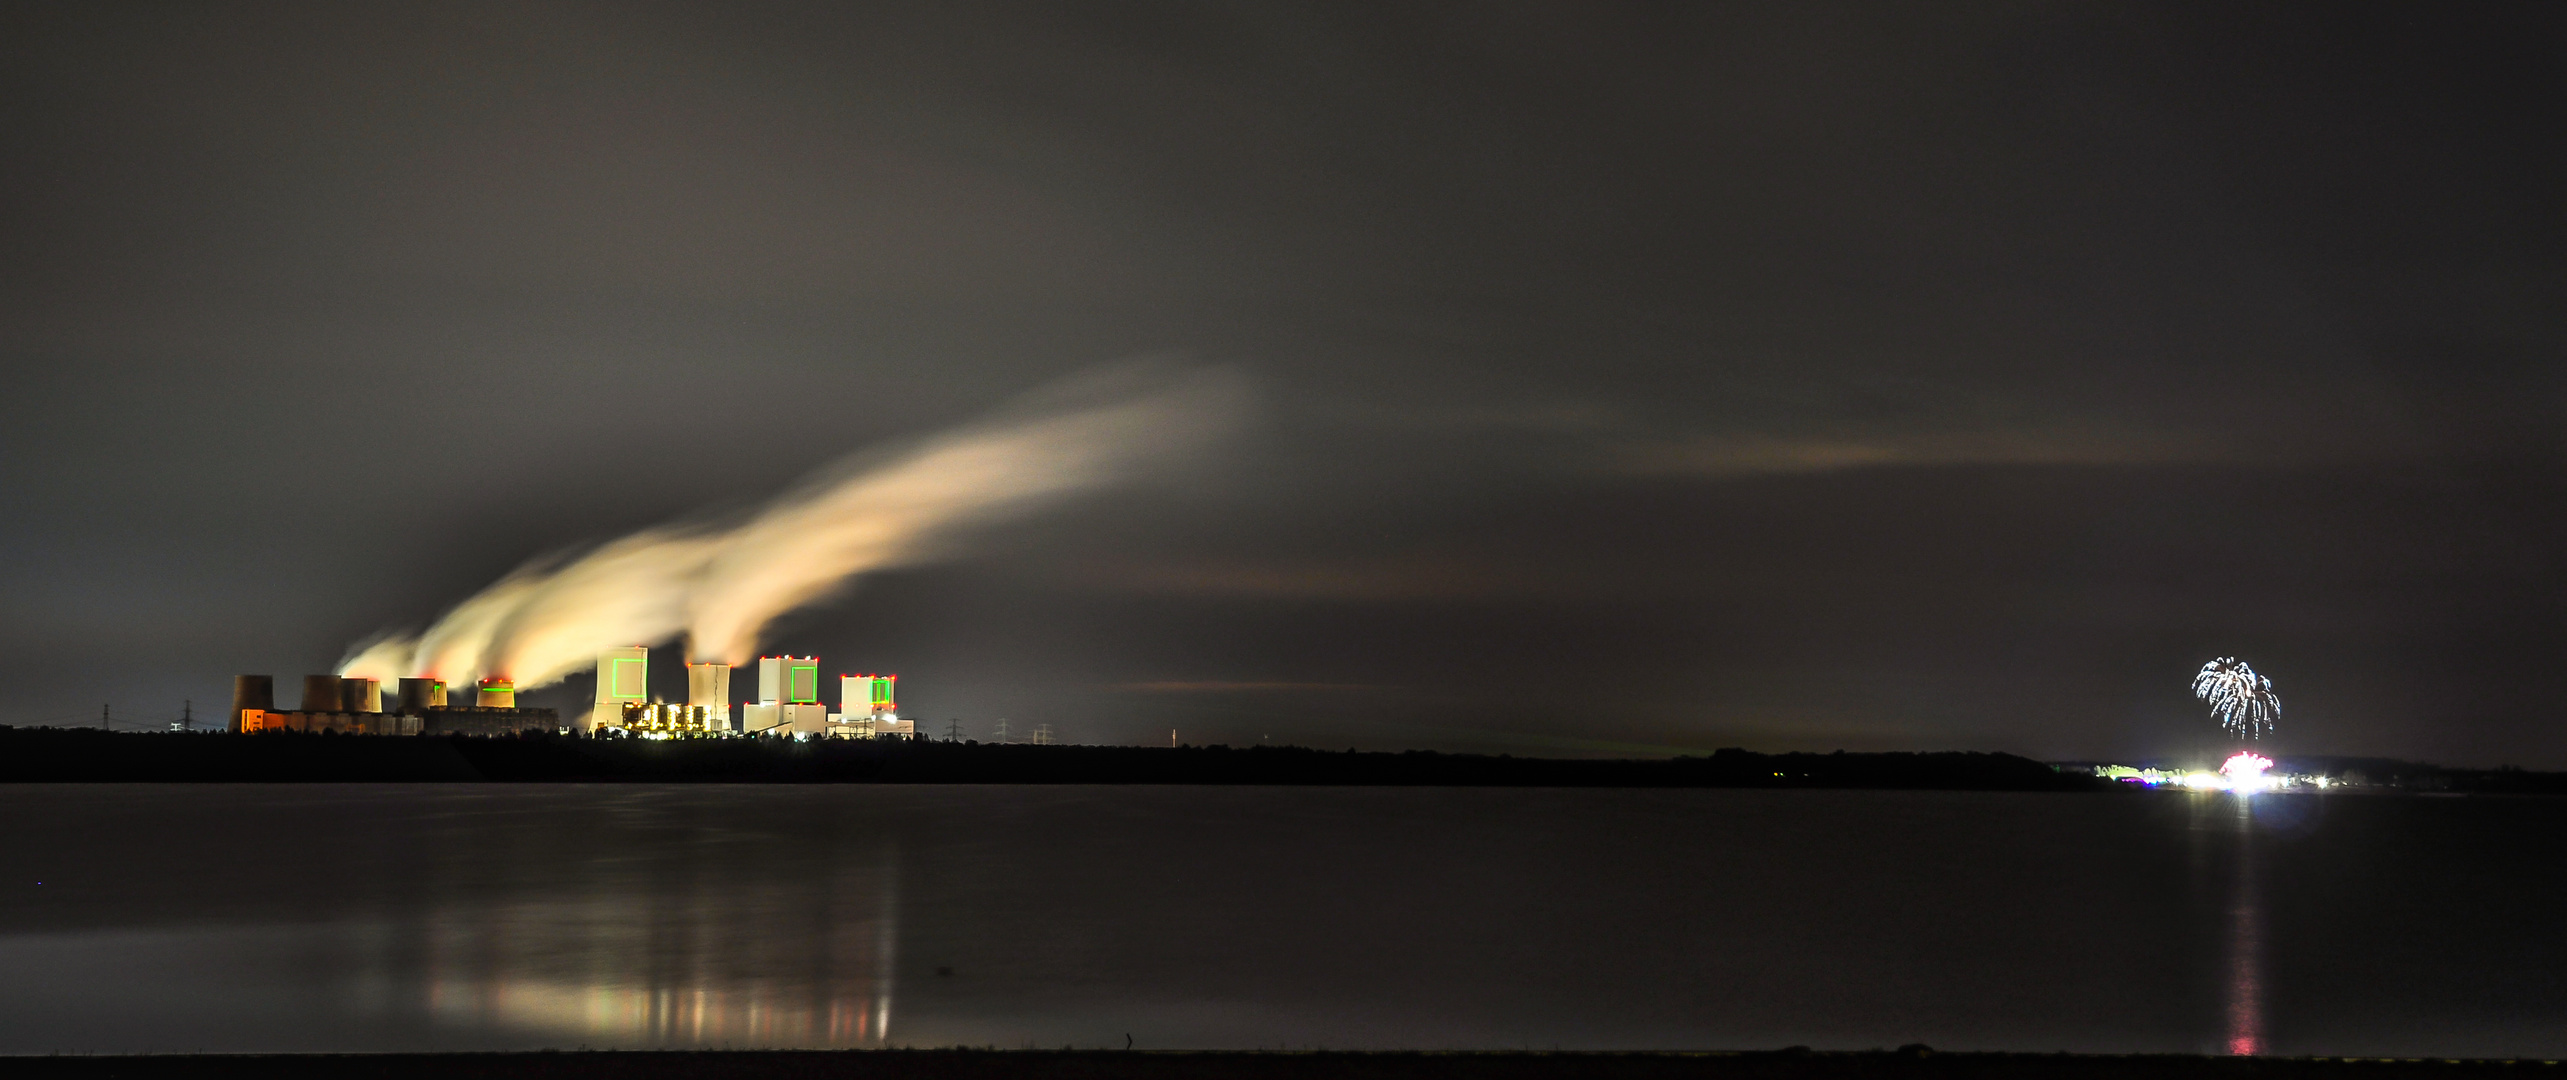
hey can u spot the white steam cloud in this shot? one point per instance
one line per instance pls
(721, 585)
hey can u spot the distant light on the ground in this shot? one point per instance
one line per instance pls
(2245, 772)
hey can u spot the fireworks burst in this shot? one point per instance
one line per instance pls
(2241, 699)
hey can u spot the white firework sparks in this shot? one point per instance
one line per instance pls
(2241, 699)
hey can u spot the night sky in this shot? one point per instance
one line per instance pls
(1634, 379)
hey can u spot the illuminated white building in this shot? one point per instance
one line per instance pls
(868, 708)
(788, 698)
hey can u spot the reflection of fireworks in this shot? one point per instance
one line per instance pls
(2241, 699)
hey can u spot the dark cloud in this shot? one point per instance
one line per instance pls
(1631, 376)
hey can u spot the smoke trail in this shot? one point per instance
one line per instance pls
(721, 586)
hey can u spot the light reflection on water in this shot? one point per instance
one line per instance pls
(448, 918)
(321, 918)
(2245, 936)
(600, 972)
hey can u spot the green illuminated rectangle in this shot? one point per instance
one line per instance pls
(802, 683)
(630, 679)
(881, 691)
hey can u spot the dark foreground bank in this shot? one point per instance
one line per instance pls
(1100, 1064)
(34, 755)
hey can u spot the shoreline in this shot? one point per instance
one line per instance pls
(72, 755)
(970, 1064)
(79, 755)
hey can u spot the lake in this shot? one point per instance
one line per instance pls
(427, 917)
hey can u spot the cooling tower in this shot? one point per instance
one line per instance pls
(709, 686)
(624, 675)
(321, 693)
(420, 695)
(623, 679)
(496, 692)
(252, 692)
(360, 695)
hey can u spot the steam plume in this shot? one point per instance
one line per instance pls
(721, 585)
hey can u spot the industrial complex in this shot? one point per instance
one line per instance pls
(787, 705)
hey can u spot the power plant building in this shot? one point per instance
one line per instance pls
(788, 698)
(868, 709)
(788, 704)
(353, 706)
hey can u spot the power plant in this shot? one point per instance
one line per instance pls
(879, 714)
(788, 705)
(353, 706)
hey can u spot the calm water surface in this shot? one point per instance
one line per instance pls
(455, 917)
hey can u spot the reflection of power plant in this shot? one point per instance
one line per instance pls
(788, 704)
(356, 707)
(667, 964)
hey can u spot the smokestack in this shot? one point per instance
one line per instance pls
(321, 693)
(360, 695)
(496, 692)
(420, 695)
(251, 692)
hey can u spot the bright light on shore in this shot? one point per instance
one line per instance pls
(2245, 772)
